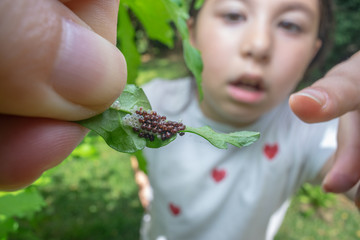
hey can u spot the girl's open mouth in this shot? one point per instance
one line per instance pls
(248, 88)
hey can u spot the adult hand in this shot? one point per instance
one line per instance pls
(337, 95)
(58, 63)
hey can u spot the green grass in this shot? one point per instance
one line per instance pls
(339, 221)
(92, 195)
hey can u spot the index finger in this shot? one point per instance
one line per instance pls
(334, 95)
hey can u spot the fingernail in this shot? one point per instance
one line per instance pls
(315, 94)
(88, 69)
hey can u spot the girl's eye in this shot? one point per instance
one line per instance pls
(234, 17)
(290, 27)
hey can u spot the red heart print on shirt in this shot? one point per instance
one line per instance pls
(175, 210)
(218, 174)
(270, 151)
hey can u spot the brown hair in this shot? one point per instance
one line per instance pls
(326, 29)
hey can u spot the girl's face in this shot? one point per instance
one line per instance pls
(254, 53)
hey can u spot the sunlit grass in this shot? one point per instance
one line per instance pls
(341, 220)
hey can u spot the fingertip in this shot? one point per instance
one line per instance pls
(308, 105)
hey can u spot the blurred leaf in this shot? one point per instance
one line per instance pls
(194, 63)
(21, 203)
(192, 56)
(155, 19)
(7, 225)
(220, 140)
(178, 13)
(315, 196)
(126, 37)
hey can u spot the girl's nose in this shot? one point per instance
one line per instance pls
(257, 43)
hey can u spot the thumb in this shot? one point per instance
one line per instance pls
(53, 64)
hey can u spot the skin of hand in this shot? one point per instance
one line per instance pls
(337, 95)
(58, 63)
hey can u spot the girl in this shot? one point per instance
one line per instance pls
(255, 53)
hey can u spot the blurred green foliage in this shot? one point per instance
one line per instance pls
(315, 197)
(158, 20)
(22, 204)
(347, 37)
(91, 195)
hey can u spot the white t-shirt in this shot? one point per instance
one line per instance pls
(204, 193)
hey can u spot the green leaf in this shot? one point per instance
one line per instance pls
(156, 16)
(126, 39)
(118, 136)
(191, 55)
(133, 97)
(220, 140)
(157, 143)
(194, 63)
(155, 19)
(110, 126)
(178, 14)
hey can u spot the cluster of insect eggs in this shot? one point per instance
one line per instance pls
(150, 125)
